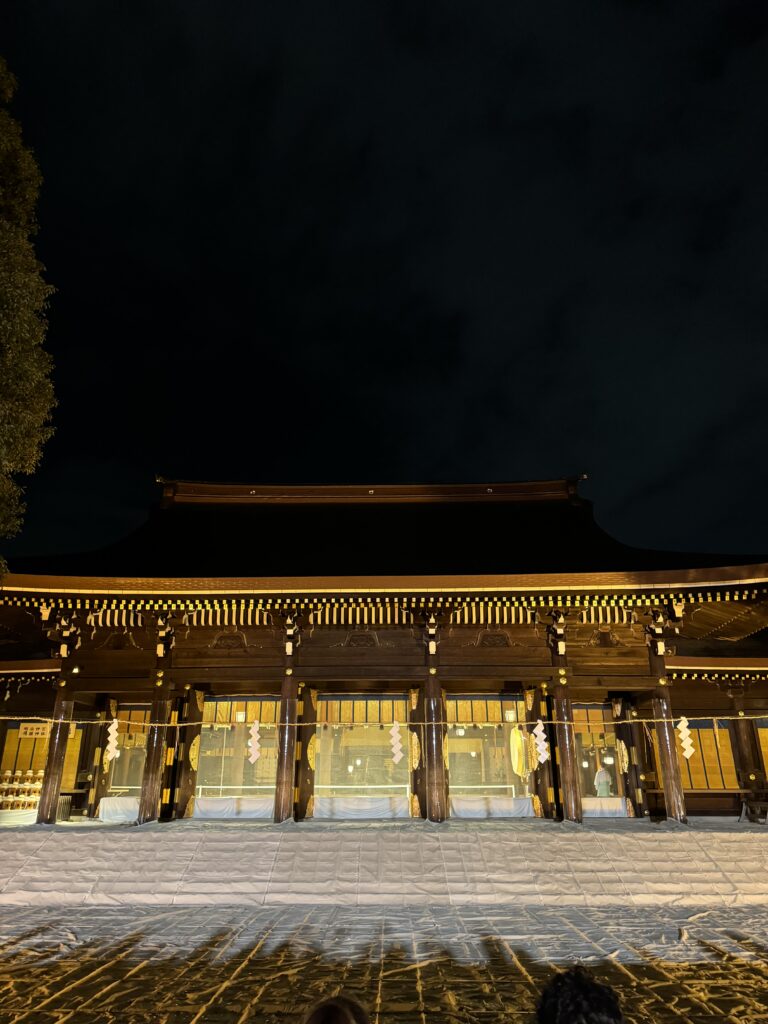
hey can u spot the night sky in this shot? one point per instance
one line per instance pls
(401, 241)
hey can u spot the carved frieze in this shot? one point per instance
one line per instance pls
(229, 640)
(362, 640)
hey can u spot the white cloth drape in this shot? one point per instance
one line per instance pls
(233, 807)
(491, 807)
(604, 807)
(119, 808)
(345, 807)
(18, 817)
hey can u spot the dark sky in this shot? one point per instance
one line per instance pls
(403, 241)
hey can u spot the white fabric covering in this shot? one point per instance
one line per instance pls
(614, 863)
(119, 808)
(18, 817)
(233, 807)
(491, 807)
(343, 808)
(604, 807)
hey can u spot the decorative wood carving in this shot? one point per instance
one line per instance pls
(229, 641)
(415, 751)
(193, 754)
(362, 640)
(118, 642)
(494, 640)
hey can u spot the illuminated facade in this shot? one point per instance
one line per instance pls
(381, 652)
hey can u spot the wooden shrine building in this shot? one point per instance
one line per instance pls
(385, 651)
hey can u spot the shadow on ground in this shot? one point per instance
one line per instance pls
(260, 971)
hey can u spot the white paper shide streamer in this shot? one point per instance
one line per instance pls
(685, 738)
(110, 751)
(541, 741)
(397, 746)
(254, 743)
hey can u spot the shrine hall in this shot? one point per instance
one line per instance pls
(381, 652)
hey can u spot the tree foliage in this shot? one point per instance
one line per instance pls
(26, 388)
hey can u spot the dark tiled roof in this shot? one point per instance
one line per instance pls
(234, 530)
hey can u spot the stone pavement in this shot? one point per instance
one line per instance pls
(182, 965)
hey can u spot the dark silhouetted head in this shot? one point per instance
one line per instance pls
(574, 997)
(339, 1010)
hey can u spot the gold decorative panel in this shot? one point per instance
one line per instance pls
(415, 752)
(518, 750)
(311, 751)
(623, 756)
(415, 806)
(533, 752)
(194, 753)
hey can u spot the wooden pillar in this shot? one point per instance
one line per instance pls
(54, 764)
(746, 746)
(671, 779)
(417, 743)
(570, 779)
(305, 761)
(90, 750)
(542, 781)
(630, 732)
(565, 734)
(188, 753)
(287, 727)
(154, 764)
(99, 767)
(435, 718)
(286, 748)
(171, 763)
(435, 773)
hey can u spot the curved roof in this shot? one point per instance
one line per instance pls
(226, 532)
